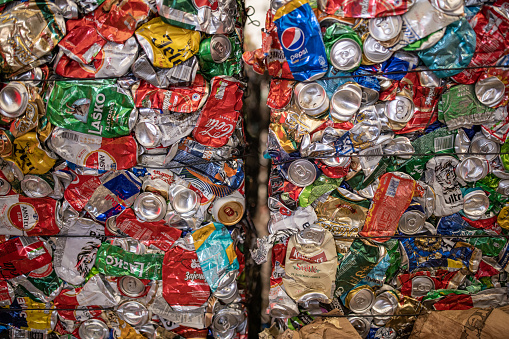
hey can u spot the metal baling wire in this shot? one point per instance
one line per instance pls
(278, 78)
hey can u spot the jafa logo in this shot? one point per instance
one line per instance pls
(212, 4)
(292, 38)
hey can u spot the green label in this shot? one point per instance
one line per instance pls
(93, 107)
(114, 261)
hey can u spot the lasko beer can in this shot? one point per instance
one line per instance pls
(300, 36)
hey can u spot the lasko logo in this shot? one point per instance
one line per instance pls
(292, 38)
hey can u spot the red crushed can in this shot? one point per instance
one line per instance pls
(21, 255)
(491, 43)
(392, 198)
(181, 99)
(367, 8)
(153, 233)
(219, 116)
(183, 279)
(20, 215)
(80, 190)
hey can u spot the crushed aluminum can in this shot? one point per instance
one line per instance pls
(149, 206)
(346, 101)
(311, 98)
(131, 286)
(163, 51)
(183, 200)
(229, 210)
(133, 313)
(94, 329)
(208, 17)
(360, 299)
(401, 109)
(301, 172)
(385, 305)
(225, 320)
(227, 290)
(147, 134)
(5, 186)
(37, 186)
(453, 7)
(182, 74)
(385, 28)
(215, 49)
(489, 91)
(346, 54)
(98, 107)
(117, 192)
(24, 46)
(92, 151)
(475, 204)
(481, 146)
(472, 168)
(421, 285)
(411, 222)
(361, 325)
(13, 99)
(375, 51)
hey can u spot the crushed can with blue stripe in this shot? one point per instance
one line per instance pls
(116, 193)
(300, 36)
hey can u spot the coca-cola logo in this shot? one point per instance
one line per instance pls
(217, 129)
(23, 216)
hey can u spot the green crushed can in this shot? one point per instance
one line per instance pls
(98, 107)
(220, 55)
(343, 47)
(114, 261)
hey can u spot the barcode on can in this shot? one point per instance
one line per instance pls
(182, 72)
(71, 136)
(393, 187)
(444, 143)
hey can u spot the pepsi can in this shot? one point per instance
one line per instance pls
(300, 36)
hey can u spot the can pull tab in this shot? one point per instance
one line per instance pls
(311, 235)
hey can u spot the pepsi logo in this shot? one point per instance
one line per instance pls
(292, 38)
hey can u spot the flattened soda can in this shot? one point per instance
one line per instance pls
(98, 107)
(13, 99)
(163, 51)
(92, 151)
(131, 286)
(94, 329)
(301, 39)
(216, 49)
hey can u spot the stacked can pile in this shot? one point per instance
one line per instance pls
(122, 180)
(390, 170)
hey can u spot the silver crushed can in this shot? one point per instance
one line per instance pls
(311, 98)
(149, 206)
(346, 54)
(131, 286)
(375, 51)
(301, 173)
(346, 101)
(184, 201)
(385, 28)
(35, 186)
(94, 329)
(490, 91)
(13, 99)
(133, 313)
